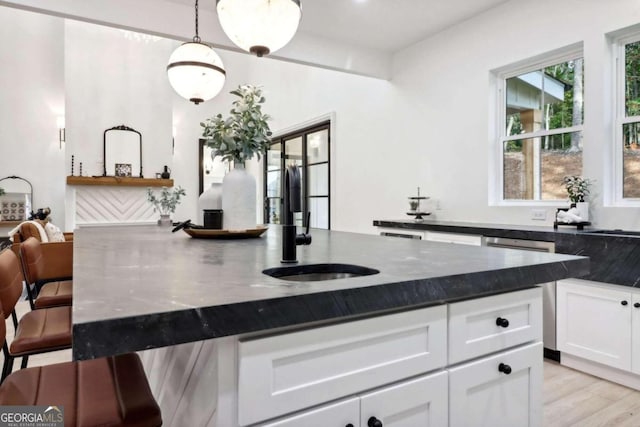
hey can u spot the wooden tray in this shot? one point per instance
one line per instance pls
(200, 233)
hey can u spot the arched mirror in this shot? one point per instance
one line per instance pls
(122, 152)
(17, 201)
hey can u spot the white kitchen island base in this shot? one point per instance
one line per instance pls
(471, 363)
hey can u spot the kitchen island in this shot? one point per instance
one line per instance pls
(140, 288)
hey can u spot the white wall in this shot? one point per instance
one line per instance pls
(110, 80)
(31, 97)
(370, 177)
(447, 80)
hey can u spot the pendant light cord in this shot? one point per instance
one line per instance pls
(197, 37)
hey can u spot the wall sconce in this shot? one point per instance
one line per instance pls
(61, 129)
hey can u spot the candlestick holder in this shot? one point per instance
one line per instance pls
(414, 207)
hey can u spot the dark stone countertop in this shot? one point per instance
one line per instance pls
(142, 287)
(614, 258)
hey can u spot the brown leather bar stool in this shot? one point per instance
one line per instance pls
(111, 391)
(53, 292)
(38, 331)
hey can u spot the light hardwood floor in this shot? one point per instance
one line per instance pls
(571, 398)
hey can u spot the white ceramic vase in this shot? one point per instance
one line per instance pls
(239, 199)
(583, 210)
(211, 198)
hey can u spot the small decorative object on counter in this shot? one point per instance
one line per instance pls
(239, 137)
(578, 189)
(80, 168)
(414, 206)
(209, 202)
(72, 160)
(165, 204)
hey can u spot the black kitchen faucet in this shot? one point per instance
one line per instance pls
(292, 203)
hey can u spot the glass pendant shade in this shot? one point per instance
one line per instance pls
(259, 26)
(196, 72)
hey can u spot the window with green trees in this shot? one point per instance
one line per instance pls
(629, 118)
(541, 128)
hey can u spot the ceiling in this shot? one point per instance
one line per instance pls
(388, 25)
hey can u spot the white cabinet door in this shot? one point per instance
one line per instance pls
(635, 339)
(417, 403)
(594, 322)
(285, 373)
(460, 239)
(504, 390)
(341, 414)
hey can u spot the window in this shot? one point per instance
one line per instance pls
(628, 118)
(309, 149)
(540, 127)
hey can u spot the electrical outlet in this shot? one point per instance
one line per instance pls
(539, 214)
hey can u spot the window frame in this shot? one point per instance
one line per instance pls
(619, 119)
(498, 134)
(302, 132)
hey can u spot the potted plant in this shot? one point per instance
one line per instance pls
(238, 138)
(578, 189)
(1, 191)
(165, 204)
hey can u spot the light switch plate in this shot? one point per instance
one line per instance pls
(539, 214)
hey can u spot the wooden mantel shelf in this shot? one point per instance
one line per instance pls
(120, 181)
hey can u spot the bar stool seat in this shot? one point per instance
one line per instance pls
(55, 294)
(111, 391)
(39, 330)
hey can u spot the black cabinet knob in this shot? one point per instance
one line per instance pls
(624, 302)
(374, 422)
(501, 321)
(506, 369)
(637, 305)
(349, 425)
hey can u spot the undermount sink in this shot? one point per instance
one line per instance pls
(319, 272)
(616, 232)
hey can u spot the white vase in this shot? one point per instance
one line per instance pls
(583, 210)
(165, 220)
(239, 199)
(211, 198)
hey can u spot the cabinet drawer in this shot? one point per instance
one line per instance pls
(474, 329)
(290, 372)
(460, 239)
(337, 414)
(503, 390)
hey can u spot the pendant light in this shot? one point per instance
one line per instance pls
(259, 26)
(195, 71)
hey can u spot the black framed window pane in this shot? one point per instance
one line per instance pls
(318, 180)
(293, 151)
(274, 157)
(319, 208)
(273, 183)
(318, 146)
(273, 211)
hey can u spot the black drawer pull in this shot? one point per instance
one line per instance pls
(637, 305)
(502, 322)
(624, 302)
(374, 422)
(506, 369)
(349, 425)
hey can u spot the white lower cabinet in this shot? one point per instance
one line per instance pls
(595, 322)
(460, 239)
(394, 371)
(421, 402)
(504, 390)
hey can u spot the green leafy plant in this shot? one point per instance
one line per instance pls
(167, 202)
(1, 191)
(245, 132)
(577, 187)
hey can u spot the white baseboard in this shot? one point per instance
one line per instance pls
(625, 378)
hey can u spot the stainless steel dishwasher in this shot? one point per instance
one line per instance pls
(549, 289)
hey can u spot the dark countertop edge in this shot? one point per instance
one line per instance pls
(144, 332)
